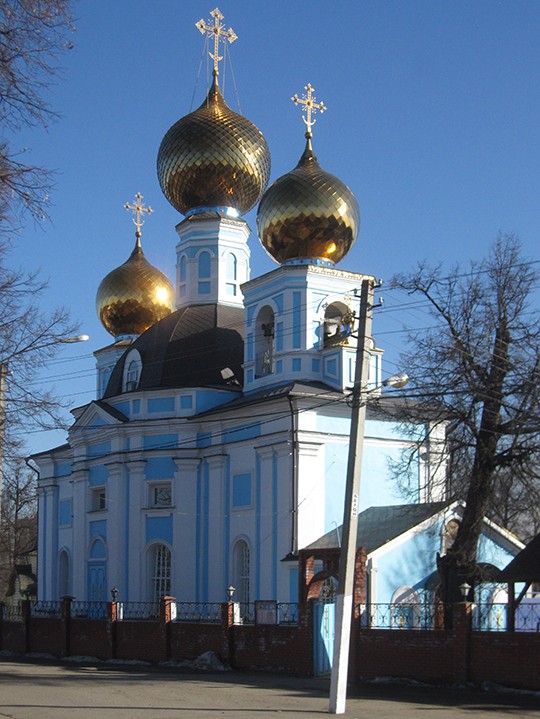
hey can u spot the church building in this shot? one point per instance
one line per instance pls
(216, 448)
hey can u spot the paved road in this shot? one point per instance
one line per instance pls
(47, 691)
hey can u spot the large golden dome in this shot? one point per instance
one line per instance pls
(308, 214)
(134, 296)
(213, 157)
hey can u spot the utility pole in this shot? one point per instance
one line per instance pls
(344, 598)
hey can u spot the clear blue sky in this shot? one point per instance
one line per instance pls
(432, 121)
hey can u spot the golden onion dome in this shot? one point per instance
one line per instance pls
(213, 157)
(308, 214)
(134, 296)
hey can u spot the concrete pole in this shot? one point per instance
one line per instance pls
(344, 598)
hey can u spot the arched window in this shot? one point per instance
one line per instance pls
(159, 572)
(204, 273)
(98, 550)
(405, 609)
(132, 371)
(231, 275)
(64, 578)
(97, 573)
(182, 276)
(264, 342)
(241, 571)
(338, 324)
(450, 531)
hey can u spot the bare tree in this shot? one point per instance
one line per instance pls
(33, 35)
(18, 521)
(29, 338)
(479, 365)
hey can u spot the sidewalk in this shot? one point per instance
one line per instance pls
(42, 690)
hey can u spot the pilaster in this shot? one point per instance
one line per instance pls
(79, 550)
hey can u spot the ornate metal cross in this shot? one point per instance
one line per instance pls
(218, 32)
(138, 209)
(309, 102)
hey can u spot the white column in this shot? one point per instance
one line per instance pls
(261, 564)
(137, 589)
(215, 535)
(184, 498)
(311, 491)
(47, 532)
(116, 527)
(79, 554)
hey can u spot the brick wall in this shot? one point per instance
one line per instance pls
(89, 637)
(459, 655)
(273, 648)
(189, 641)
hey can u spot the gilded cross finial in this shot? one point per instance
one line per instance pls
(218, 32)
(309, 102)
(138, 209)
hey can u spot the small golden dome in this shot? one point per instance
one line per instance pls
(213, 157)
(308, 214)
(134, 296)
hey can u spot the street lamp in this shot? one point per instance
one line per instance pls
(4, 372)
(344, 597)
(464, 590)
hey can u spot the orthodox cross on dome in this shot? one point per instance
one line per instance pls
(218, 32)
(138, 209)
(311, 105)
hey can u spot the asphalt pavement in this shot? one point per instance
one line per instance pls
(40, 689)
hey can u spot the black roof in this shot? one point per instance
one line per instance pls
(379, 525)
(189, 348)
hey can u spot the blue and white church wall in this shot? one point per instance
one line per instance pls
(404, 568)
(300, 325)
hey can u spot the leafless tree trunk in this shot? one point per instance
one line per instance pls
(18, 521)
(479, 365)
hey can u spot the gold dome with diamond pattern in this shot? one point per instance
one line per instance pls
(308, 214)
(136, 295)
(213, 157)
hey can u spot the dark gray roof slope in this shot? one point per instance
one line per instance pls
(189, 348)
(525, 567)
(378, 525)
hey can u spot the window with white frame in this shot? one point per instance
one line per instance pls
(160, 572)
(160, 494)
(204, 273)
(231, 274)
(264, 342)
(405, 608)
(241, 570)
(64, 575)
(132, 371)
(182, 276)
(98, 499)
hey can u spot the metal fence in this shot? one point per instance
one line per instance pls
(493, 617)
(46, 610)
(197, 612)
(12, 612)
(88, 610)
(399, 615)
(194, 612)
(138, 611)
(273, 613)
